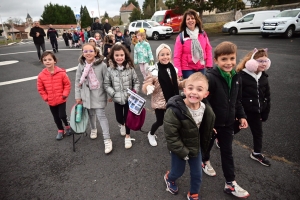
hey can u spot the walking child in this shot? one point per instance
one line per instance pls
(76, 39)
(127, 40)
(142, 52)
(225, 99)
(162, 83)
(89, 91)
(120, 77)
(188, 126)
(109, 41)
(256, 96)
(54, 86)
(93, 41)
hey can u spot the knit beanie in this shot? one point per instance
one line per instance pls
(161, 47)
(91, 38)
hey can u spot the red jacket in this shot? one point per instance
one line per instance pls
(52, 87)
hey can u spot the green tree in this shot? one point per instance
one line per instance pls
(56, 14)
(86, 19)
(134, 2)
(135, 15)
(106, 15)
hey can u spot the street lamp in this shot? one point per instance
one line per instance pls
(98, 10)
(92, 16)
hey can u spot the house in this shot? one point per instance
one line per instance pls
(125, 12)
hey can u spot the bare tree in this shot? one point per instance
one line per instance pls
(17, 21)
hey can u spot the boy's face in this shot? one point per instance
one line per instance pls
(226, 62)
(195, 91)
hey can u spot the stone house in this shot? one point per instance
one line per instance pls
(125, 12)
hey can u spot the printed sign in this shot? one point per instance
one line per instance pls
(136, 102)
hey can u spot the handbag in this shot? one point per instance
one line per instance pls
(134, 121)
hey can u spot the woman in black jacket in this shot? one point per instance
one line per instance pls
(256, 96)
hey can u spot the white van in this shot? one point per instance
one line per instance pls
(249, 23)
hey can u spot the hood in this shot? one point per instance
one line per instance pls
(111, 65)
(255, 76)
(97, 62)
(277, 19)
(56, 70)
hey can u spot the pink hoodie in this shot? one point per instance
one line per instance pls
(183, 57)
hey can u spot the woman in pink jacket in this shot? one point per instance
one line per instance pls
(192, 51)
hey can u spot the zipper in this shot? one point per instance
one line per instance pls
(121, 85)
(258, 96)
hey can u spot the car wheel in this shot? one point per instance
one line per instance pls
(167, 37)
(265, 35)
(155, 36)
(233, 31)
(289, 32)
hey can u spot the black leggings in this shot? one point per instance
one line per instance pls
(38, 49)
(59, 114)
(159, 113)
(121, 112)
(54, 43)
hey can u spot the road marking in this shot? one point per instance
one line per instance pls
(29, 78)
(35, 51)
(8, 62)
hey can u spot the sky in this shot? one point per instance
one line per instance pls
(35, 8)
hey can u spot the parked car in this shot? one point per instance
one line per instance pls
(249, 23)
(168, 18)
(285, 23)
(153, 29)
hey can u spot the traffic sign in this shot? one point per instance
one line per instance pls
(78, 28)
(77, 16)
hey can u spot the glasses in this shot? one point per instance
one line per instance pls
(263, 61)
(88, 51)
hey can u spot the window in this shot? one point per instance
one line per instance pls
(145, 25)
(139, 25)
(248, 18)
(133, 24)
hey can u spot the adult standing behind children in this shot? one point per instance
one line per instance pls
(142, 52)
(120, 77)
(162, 83)
(188, 126)
(38, 34)
(192, 50)
(53, 35)
(54, 86)
(89, 91)
(225, 93)
(97, 27)
(256, 96)
(106, 26)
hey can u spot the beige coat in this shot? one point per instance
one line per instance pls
(157, 99)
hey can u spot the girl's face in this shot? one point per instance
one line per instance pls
(139, 37)
(164, 56)
(92, 42)
(190, 22)
(119, 57)
(262, 63)
(48, 62)
(97, 37)
(89, 53)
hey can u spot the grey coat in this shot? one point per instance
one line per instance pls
(117, 81)
(91, 98)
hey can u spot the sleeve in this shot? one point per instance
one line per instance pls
(135, 81)
(31, 33)
(135, 55)
(150, 55)
(67, 85)
(266, 111)
(147, 81)
(108, 83)
(56, 33)
(43, 33)
(48, 34)
(238, 105)
(77, 79)
(41, 89)
(171, 128)
(208, 53)
(177, 55)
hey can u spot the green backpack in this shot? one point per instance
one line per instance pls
(79, 127)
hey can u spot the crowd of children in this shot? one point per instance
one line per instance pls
(207, 110)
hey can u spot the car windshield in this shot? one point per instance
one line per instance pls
(157, 18)
(154, 23)
(288, 13)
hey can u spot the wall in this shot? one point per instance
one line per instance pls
(125, 17)
(229, 16)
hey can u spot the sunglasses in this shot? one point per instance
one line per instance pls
(88, 51)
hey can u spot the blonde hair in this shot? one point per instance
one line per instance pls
(142, 34)
(258, 54)
(225, 48)
(197, 76)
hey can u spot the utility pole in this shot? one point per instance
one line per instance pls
(99, 10)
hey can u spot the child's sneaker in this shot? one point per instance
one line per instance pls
(208, 169)
(128, 143)
(192, 196)
(108, 146)
(122, 130)
(171, 185)
(152, 139)
(261, 159)
(235, 190)
(60, 135)
(93, 134)
(217, 143)
(68, 130)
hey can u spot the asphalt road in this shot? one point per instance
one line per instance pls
(35, 166)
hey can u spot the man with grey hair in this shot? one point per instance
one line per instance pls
(97, 27)
(38, 34)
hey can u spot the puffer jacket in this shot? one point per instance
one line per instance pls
(52, 87)
(183, 56)
(182, 134)
(116, 83)
(158, 100)
(91, 98)
(256, 93)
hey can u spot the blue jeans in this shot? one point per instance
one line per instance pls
(187, 73)
(178, 168)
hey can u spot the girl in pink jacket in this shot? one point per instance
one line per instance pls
(192, 51)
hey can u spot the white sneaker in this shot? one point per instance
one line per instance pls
(235, 190)
(122, 130)
(152, 139)
(93, 134)
(128, 143)
(108, 145)
(208, 169)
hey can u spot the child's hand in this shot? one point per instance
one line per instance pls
(243, 123)
(109, 100)
(150, 89)
(215, 131)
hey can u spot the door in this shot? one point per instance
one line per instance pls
(246, 24)
(148, 29)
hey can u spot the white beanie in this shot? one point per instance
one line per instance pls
(91, 38)
(161, 47)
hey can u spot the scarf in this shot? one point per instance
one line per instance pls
(168, 82)
(89, 72)
(227, 76)
(196, 50)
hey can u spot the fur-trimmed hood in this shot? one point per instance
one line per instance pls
(112, 66)
(98, 61)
